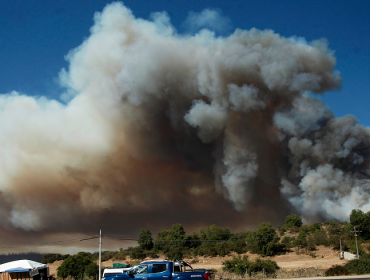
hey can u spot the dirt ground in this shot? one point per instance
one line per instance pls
(322, 258)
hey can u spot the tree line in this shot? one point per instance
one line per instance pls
(213, 240)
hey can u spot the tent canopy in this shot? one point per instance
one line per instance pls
(18, 269)
(21, 264)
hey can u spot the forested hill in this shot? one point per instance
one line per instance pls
(21, 256)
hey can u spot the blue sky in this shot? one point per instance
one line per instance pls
(36, 35)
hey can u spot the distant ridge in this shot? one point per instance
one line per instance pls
(21, 256)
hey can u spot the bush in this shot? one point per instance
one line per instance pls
(151, 254)
(121, 255)
(321, 238)
(293, 220)
(259, 265)
(174, 254)
(237, 246)
(287, 241)
(107, 255)
(222, 248)
(358, 266)
(206, 249)
(264, 241)
(336, 270)
(137, 254)
(236, 265)
(239, 265)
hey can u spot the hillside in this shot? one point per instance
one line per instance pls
(325, 258)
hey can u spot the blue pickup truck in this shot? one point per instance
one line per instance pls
(163, 270)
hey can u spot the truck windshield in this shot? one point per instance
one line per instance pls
(141, 269)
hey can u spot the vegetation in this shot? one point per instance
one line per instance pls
(293, 220)
(336, 270)
(145, 240)
(213, 240)
(264, 241)
(361, 266)
(78, 265)
(361, 221)
(240, 265)
(50, 258)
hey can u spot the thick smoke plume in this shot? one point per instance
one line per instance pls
(163, 128)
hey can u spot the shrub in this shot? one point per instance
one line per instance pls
(121, 255)
(264, 241)
(259, 265)
(151, 254)
(206, 249)
(107, 255)
(174, 254)
(237, 246)
(287, 241)
(360, 266)
(222, 248)
(293, 220)
(237, 265)
(336, 270)
(282, 230)
(137, 254)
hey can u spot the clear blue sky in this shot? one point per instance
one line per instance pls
(36, 35)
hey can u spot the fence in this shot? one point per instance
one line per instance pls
(280, 273)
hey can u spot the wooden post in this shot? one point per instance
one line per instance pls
(355, 232)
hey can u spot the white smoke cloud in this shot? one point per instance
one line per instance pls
(154, 116)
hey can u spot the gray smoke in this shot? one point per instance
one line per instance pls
(192, 129)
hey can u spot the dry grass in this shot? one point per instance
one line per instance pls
(325, 258)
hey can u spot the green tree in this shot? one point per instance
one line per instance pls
(92, 269)
(237, 242)
(264, 241)
(145, 240)
(192, 240)
(162, 240)
(361, 221)
(293, 220)
(214, 233)
(74, 265)
(174, 238)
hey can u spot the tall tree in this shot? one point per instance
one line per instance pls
(264, 241)
(74, 266)
(361, 221)
(145, 240)
(293, 220)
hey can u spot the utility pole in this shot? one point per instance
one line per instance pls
(355, 232)
(100, 256)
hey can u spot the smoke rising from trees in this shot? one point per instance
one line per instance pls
(164, 128)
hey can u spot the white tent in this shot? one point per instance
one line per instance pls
(21, 266)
